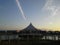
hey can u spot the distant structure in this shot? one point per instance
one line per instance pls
(30, 32)
(8, 35)
(29, 28)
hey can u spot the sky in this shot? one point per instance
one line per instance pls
(17, 14)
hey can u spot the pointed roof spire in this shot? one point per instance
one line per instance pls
(30, 22)
(30, 27)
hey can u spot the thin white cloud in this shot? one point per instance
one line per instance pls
(51, 8)
(20, 8)
(55, 12)
(47, 5)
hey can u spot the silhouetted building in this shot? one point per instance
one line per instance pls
(30, 32)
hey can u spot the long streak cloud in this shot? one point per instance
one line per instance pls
(20, 8)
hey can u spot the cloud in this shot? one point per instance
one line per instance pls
(47, 5)
(55, 12)
(21, 10)
(51, 8)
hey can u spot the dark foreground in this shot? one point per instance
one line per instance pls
(29, 42)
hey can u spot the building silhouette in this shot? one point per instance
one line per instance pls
(30, 32)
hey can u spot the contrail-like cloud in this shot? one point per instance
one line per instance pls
(20, 8)
(52, 8)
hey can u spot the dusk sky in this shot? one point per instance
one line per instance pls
(17, 14)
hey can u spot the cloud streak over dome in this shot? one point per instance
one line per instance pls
(20, 8)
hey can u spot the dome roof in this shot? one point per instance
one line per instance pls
(29, 29)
